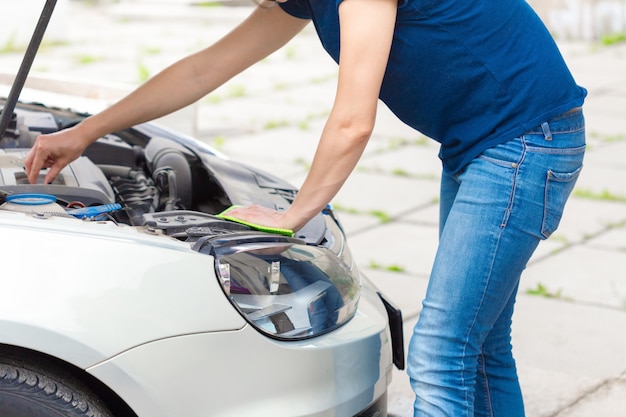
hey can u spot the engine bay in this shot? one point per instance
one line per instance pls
(146, 176)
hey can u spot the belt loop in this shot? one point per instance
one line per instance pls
(546, 130)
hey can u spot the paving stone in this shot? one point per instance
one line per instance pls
(582, 274)
(408, 247)
(606, 401)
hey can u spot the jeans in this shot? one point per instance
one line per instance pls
(492, 217)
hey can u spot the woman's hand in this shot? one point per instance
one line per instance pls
(54, 151)
(264, 216)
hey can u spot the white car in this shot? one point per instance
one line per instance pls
(124, 294)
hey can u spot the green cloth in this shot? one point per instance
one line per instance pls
(224, 215)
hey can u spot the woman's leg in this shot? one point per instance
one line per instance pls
(506, 201)
(497, 387)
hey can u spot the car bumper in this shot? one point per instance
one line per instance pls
(377, 409)
(242, 373)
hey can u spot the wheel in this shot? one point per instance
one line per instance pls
(32, 389)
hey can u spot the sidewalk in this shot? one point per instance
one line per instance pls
(571, 308)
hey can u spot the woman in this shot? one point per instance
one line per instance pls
(485, 79)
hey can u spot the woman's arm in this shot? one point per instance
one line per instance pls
(179, 85)
(366, 34)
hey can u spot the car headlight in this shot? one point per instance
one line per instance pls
(283, 287)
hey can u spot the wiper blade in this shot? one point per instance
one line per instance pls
(27, 62)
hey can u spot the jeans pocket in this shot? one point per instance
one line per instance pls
(558, 188)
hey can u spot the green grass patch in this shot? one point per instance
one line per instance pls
(235, 91)
(323, 79)
(291, 52)
(207, 4)
(613, 138)
(11, 47)
(542, 291)
(391, 268)
(275, 124)
(382, 216)
(218, 142)
(400, 172)
(613, 38)
(47, 45)
(151, 50)
(213, 99)
(604, 195)
(87, 59)
(303, 162)
(143, 73)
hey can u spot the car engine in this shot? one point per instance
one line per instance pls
(145, 176)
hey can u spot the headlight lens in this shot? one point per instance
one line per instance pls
(284, 288)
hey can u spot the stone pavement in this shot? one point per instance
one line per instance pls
(571, 310)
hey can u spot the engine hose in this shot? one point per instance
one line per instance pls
(137, 194)
(165, 181)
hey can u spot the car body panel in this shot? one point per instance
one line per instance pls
(242, 374)
(70, 300)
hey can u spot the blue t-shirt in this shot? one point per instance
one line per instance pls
(469, 74)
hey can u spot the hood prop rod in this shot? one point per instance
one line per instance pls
(27, 62)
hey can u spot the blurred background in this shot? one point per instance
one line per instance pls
(101, 49)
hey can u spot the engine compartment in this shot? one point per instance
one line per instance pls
(162, 181)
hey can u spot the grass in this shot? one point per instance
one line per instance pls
(302, 125)
(604, 195)
(613, 38)
(10, 46)
(207, 4)
(322, 79)
(400, 172)
(232, 91)
(87, 59)
(275, 124)
(607, 138)
(151, 50)
(542, 291)
(397, 172)
(303, 162)
(291, 52)
(236, 90)
(398, 142)
(391, 268)
(613, 138)
(559, 238)
(143, 73)
(213, 99)
(395, 143)
(218, 142)
(382, 216)
(47, 45)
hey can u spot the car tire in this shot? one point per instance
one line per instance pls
(33, 389)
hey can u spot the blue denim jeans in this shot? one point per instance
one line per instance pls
(493, 216)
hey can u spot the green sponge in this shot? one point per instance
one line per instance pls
(224, 215)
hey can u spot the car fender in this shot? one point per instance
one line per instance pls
(95, 289)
